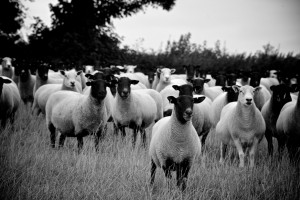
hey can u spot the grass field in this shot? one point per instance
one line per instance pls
(31, 169)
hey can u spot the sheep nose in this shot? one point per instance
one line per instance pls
(189, 111)
(248, 100)
(72, 83)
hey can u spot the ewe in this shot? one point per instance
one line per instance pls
(42, 95)
(175, 144)
(165, 79)
(77, 115)
(210, 92)
(242, 123)
(288, 125)
(6, 68)
(133, 108)
(270, 111)
(9, 100)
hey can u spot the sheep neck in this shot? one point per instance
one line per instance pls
(245, 115)
(179, 131)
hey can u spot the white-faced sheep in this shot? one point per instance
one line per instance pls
(165, 79)
(6, 68)
(229, 95)
(42, 95)
(133, 108)
(242, 123)
(175, 144)
(288, 125)
(26, 85)
(270, 111)
(9, 100)
(89, 69)
(77, 115)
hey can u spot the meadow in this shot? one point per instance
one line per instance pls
(31, 169)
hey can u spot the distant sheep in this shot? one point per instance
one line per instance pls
(26, 85)
(133, 108)
(43, 93)
(9, 100)
(288, 125)
(210, 92)
(165, 79)
(6, 68)
(175, 144)
(242, 123)
(77, 115)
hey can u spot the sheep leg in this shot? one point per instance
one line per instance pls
(253, 151)
(292, 149)
(79, 143)
(143, 135)
(281, 144)
(152, 171)
(182, 173)
(223, 152)
(135, 131)
(239, 148)
(62, 139)
(52, 134)
(270, 142)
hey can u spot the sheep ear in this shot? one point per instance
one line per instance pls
(176, 87)
(198, 99)
(236, 88)
(158, 70)
(89, 83)
(134, 82)
(62, 72)
(295, 88)
(225, 89)
(79, 72)
(89, 76)
(257, 89)
(173, 70)
(119, 67)
(4, 80)
(206, 80)
(172, 99)
(272, 87)
(134, 66)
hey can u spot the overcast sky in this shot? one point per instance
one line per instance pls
(240, 25)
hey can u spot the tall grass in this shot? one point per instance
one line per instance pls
(31, 169)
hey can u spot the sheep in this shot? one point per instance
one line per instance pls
(42, 94)
(156, 79)
(263, 95)
(210, 92)
(133, 76)
(151, 76)
(26, 85)
(6, 68)
(165, 79)
(133, 108)
(229, 95)
(9, 100)
(242, 123)
(77, 115)
(288, 125)
(270, 111)
(130, 68)
(89, 69)
(174, 144)
(45, 76)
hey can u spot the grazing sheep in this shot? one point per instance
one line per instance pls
(42, 95)
(210, 92)
(26, 85)
(175, 144)
(229, 95)
(133, 108)
(242, 123)
(9, 100)
(77, 115)
(270, 111)
(288, 125)
(165, 79)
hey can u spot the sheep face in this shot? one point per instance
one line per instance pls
(98, 90)
(88, 69)
(231, 79)
(42, 72)
(130, 68)
(232, 94)
(183, 106)
(70, 78)
(6, 63)
(189, 71)
(24, 75)
(198, 84)
(273, 74)
(220, 79)
(3, 81)
(151, 76)
(246, 94)
(186, 89)
(123, 86)
(165, 74)
(281, 95)
(255, 79)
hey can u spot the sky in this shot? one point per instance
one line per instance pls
(242, 26)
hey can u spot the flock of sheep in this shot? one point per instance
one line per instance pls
(184, 109)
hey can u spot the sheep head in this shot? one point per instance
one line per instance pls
(123, 86)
